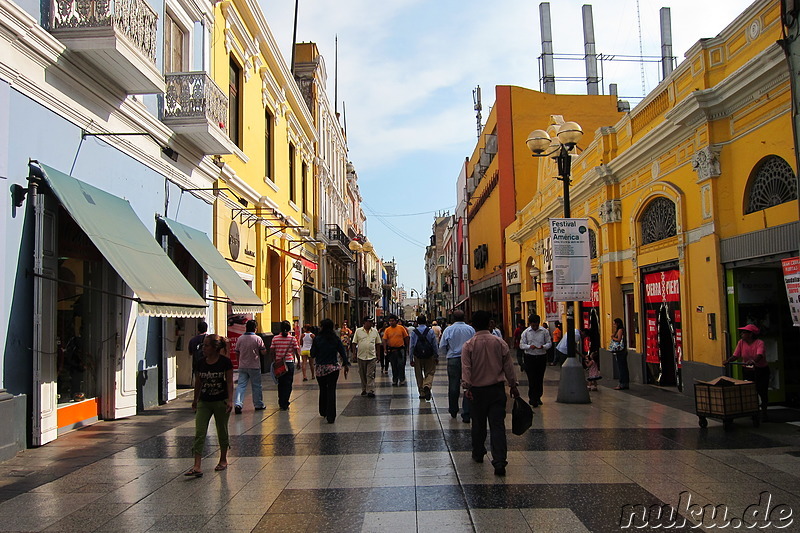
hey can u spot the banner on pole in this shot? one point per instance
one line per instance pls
(791, 277)
(572, 269)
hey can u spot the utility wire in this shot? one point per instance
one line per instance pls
(410, 214)
(400, 233)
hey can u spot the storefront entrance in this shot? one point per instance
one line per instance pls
(663, 342)
(757, 295)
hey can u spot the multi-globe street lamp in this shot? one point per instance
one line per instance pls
(572, 386)
(358, 248)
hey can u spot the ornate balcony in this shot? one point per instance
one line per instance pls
(195, 107)
(338, 243)
(118, 37)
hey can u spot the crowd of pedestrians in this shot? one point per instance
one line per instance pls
(480, 365)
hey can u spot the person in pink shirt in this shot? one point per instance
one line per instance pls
(486, 367)
(752, 352)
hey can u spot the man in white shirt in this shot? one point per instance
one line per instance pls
(535, 341)
(365, 344)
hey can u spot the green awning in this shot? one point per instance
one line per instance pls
(116, 231)
(242, 298)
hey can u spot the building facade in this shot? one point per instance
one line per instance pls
(686, 240)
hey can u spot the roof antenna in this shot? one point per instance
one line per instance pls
(294, 32)
(344, 118)
(336, 78)
(641, 48)
(476, 99)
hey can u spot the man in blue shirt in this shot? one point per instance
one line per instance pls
(453, 339)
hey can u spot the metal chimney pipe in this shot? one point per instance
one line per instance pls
(548, 71)
(612, 89)
(666, 42)
(590, 59)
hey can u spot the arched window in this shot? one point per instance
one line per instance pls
(772, 183)
(658, 220)
(592, 244)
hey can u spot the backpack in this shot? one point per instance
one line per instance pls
(423, 348)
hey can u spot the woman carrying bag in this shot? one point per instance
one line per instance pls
(326, 352)
(284, 351)
(620, 351)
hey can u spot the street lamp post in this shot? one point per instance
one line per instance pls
(572, 386)
(357, 247)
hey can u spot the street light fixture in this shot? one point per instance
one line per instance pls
(357, 247)
(572, 386)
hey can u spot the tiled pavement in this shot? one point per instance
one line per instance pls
(397, 463)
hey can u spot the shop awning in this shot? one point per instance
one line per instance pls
(308, 263)
(242, 298)
(116, 231)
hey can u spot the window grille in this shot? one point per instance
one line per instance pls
(774, 183)
(658, 220)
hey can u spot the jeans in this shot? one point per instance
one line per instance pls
(489, 404)
(397, 358)
(253, 375)
(201, 419)
(366, 370)
(622, 367)
(423, 371)
(535, 365)
(327, 395)
(285, 386)
(454, 389)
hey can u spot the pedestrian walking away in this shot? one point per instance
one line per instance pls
(553, 356)
(250, 348)
(424, 356)
(329, 356)
(196, 345)
(366, 342)
(453, 338)
(486, 368)
(535, 341)
(396, 341)
(619, 348)
(213, 396)
(306, 339)
(284, 349)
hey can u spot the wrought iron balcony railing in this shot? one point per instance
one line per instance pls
(194, 95)
(135, 19)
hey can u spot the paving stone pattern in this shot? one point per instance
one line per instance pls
(398, 463)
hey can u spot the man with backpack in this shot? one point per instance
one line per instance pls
(424, 356)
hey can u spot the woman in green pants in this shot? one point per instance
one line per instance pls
(213, 395)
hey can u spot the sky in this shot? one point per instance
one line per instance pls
(407, 70)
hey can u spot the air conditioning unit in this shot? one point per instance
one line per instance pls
(485, 159)
(491, 143)
(336, 295)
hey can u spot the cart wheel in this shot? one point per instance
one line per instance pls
(703, 421)
(727, 424)
(756, 421)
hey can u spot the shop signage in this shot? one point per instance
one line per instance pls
(662, 297)
(552, 309)
(572, 270)
(512, 274)
(233, 240)
(791, 277)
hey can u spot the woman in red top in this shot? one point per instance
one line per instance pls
(752, 352)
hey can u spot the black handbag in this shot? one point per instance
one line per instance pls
(521, 416)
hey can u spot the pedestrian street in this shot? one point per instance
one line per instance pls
(398, 463)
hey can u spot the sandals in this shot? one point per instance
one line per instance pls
(193, 473)
(220, 467)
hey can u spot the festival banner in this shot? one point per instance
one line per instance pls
(791, 277)
(572, 271)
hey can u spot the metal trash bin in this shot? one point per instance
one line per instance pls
(726, 398)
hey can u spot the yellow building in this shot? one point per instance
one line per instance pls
(265, 209)
(692, 197)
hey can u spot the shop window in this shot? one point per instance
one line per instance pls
(772, 183)
(658, 220)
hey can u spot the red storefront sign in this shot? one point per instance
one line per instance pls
(551, 310)
(594, 303)
(662, 290)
